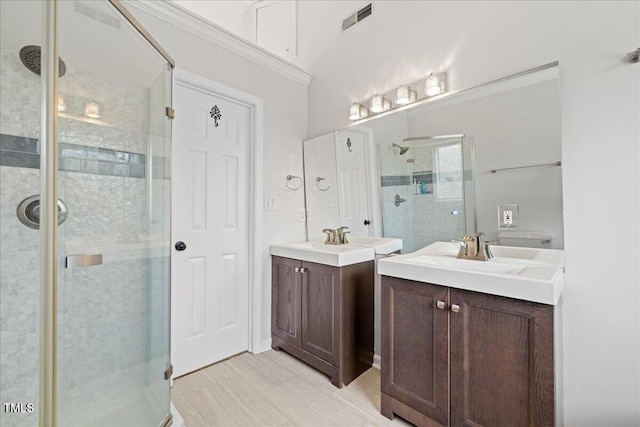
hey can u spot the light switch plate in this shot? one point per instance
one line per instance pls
(508, 217)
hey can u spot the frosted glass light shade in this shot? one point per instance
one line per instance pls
(405, 95)
(357, 112)
(434, 84)
(354, 111)
(377, 103)
(402, 95)
(92, 110)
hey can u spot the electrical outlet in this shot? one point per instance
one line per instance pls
(508, 217)
(303, 215)
(269, 203)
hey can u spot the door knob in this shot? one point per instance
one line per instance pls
(180, 246)
(367, 222)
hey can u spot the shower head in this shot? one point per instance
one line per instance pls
(30, 57)
(402, 149)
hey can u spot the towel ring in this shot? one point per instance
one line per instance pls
(290, 185)
(317, 184)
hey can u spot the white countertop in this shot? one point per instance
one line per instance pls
(360, 249)
(530, 274)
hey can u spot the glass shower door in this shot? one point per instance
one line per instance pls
(114, 149)
(427, 190)
(19, 244)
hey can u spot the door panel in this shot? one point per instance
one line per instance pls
(320, 311)
(353, 181)
(415, 356)
(211, 216)
(286, 299)
(503, 361)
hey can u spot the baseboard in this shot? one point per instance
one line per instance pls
(266, 345)
(376, 361)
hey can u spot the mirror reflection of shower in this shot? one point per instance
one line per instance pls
(437, 184)
(402, 149)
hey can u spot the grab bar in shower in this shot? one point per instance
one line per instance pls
(558, 163)
(85, 260)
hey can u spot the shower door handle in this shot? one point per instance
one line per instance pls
(76, 261)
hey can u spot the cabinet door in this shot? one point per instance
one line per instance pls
(285, 299)
(415, 357)
(501, 361)
(321, 311)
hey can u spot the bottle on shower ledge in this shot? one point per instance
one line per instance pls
(416, 187)
(423, 187)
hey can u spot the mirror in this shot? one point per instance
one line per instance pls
(451, 162)
(337, 167)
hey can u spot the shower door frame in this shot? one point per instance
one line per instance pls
(49, 200)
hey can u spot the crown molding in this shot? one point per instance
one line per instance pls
(188, 21)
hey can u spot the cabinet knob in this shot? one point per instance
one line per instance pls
(303, 269)
(455, 308)
(297, 269)
(441, 305)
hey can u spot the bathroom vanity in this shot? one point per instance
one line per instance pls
(323, 315)
(322, 304)
(470, 342)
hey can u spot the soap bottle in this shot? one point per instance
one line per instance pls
(416, 187)
(423, 187)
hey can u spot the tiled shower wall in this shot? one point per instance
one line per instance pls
(423, 218)
(107, 214)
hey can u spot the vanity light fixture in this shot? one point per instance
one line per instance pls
(62, 105)
(376, 103)
(357, 111)
(379, 103)
(435, 84)
(92, 110)
(405, 95)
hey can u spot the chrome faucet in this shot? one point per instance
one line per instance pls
(475, 248)
(341, 235)
(336, 237)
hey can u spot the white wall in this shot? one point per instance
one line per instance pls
(600, 105)
(285, 127)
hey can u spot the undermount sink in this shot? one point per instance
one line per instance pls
(360, 249)
(525, 273)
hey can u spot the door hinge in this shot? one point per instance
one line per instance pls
(171, 113)
(168, 372)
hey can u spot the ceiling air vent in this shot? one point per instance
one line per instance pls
(357, 17)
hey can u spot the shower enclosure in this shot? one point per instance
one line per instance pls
(426, 189)
(84, 311)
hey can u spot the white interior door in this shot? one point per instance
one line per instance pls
(210, 214)
(351, 158)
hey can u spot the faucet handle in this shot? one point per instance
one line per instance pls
(343, 237)
(487, 251)
(331, 236)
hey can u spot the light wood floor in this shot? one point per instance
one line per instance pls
(275, 389)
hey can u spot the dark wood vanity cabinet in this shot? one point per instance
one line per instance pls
(458, 358)
(323, 315)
